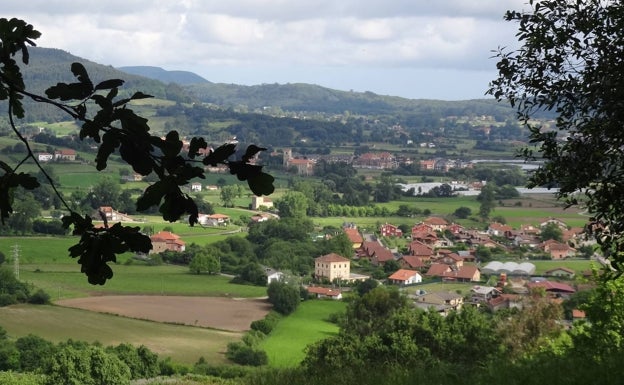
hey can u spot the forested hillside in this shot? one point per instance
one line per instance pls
(50, 66)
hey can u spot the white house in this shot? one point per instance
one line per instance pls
(273, 275)
(405, 277)
(44, 157)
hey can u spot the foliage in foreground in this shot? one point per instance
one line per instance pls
(569, 62)
(108, 121)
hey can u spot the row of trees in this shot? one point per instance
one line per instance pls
(75, 362)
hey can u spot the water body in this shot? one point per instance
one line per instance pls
(512, 162)
(465, 190)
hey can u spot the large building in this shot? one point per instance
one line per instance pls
(332, 266)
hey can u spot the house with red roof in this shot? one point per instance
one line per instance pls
(324, 292)
(557, 250)
(500, 230)
(412, 262)
(404, 277)
(466, 273)
(451, 259)
(213, 219)
(552, 288)
(428, 238)
(388, 230)
(422, 228)
(375, 252)
(65, 154)
(437, 270)
(354, 236)
(437, 223)
(165, 240)
(420, 249)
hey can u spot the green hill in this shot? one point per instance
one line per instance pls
(49, 66)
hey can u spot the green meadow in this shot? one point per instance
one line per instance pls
(67, 281)
(184, 344)
(286, 344)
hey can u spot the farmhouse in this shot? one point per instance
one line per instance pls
(165, 240)
(65, 154)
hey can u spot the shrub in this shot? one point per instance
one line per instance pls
(40, 297)
(242, 354)
(263, 326)
(7, 299)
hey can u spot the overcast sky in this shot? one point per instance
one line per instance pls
(434, 49)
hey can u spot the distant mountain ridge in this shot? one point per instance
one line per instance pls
(48, 66)
(157, 73)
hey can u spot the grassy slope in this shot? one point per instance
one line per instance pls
(286, 343)
(183, 344)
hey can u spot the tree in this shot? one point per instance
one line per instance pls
(551, 231)
(462, 212)
(283, 297)
(107, 119)
(142, 362)
(569, 65)
(204, 262)
(254, 274)
(293, 204)
(483, 254)
(35, 352)
(486, 198)
(228, 194)
(364, 287)
(80, 363)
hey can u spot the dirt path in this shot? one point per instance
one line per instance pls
(213, 312)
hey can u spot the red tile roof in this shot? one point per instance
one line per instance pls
(323, 291)
(437, 269)
(413, 261)
(354, 235)
(403, 275)
(552, 286)
(435, 221)
(164, 236)
(464, 272)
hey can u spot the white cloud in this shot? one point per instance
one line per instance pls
(201, 35)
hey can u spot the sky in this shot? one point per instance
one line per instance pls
(417, 49)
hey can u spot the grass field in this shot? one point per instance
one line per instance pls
(184, 344)
(286, 343)
(66, 281)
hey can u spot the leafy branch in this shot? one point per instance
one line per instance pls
(113, 125)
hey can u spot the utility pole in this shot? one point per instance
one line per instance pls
(16, 260)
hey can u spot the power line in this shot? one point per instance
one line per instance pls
(16, 261)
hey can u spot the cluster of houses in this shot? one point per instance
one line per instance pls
(428, 256)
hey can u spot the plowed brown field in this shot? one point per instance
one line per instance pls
(213, 312)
